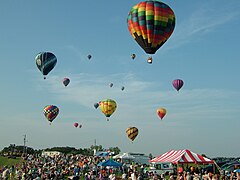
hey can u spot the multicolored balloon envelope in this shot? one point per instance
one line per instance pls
(108, 107)
(50, 112)
(177, 84)
(45, 62)
(66, 81)
(161, 112)
(151, 23)
(132, 132)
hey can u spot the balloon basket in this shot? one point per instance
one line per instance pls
(149, 60)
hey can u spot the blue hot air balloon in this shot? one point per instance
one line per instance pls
(45, 62)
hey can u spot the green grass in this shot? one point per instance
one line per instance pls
(5, 161)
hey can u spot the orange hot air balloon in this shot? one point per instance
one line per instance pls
(161, 112)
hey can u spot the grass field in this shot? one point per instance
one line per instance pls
(5, 161)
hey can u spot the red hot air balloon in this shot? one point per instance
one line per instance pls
(177, 84)
(151, 23)
(75, 125)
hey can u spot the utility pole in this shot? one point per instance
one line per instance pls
(24, 144)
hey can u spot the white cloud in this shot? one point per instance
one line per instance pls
(206, 19)
(140, 99)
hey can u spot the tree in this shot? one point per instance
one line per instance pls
(116, 150)
(16, 150)
(97, 147)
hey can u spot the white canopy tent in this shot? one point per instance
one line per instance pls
(123, 156)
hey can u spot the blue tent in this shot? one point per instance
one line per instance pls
(110, 162)
(102, 154)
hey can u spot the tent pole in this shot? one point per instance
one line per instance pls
(177, 169)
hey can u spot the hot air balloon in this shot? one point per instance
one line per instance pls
(111, 84)
(177, 84)
(75, 125)
(50, 112)
(132, 132)
(80, 126)
(122, 88)
(161, 112)
(96, 105)
(133, 56)
(45, 62)
(89, 56)
(66, 81)
(108, 107)
(151, 23)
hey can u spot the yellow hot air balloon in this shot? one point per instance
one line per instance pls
(108, 107)
(132, 132)
(161, 112)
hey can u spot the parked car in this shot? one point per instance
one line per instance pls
(160, 168)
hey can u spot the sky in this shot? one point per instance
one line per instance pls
(203, 51)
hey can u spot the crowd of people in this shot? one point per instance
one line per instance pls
(65, 167)
(60, 167)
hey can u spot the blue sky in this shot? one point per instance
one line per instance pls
(203, 51)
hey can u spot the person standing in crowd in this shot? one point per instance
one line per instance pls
(124, 176)
(133, 175)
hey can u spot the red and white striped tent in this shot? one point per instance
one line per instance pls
(182, 156)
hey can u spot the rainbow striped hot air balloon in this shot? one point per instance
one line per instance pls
(50, 112)
(108, 107)
(151, 23)
(132, 132)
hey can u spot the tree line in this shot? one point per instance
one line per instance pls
(13, 150)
